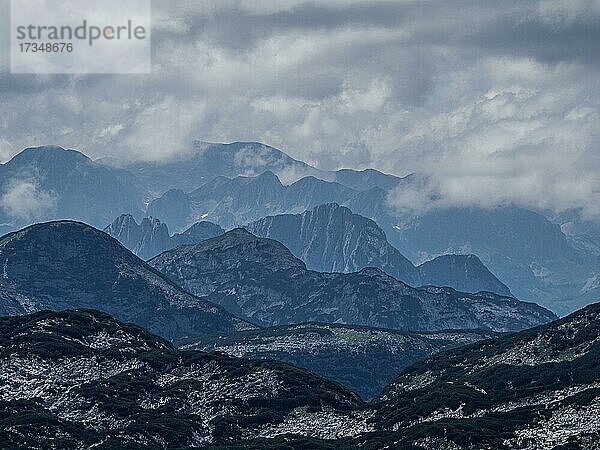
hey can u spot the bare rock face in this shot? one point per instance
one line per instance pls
(331, 238)
(261, 280)
(80, 379)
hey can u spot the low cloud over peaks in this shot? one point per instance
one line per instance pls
(499, 103)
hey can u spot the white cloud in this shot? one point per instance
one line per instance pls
(23, 200)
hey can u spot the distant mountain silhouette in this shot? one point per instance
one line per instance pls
(65, 265)
(47, 183)
(331, 238)
(151, 236)
(262, 280)
(534, 256)
(234, 202)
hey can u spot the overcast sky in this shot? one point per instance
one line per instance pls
(498, 100)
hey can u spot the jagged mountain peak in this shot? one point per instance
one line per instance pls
(124, 220)
(151, 237)
(331, 238)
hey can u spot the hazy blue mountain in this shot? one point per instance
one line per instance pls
(46, 183)
(261, 280)
(206, 160)
(145, 240)
(524, 249)
(511, 230)
(461, 272)
(554, 264)
(583, 233)
(373, 203)
(232, 202)
(200, 231)
(64, 265)
(363, 180)
(364, 359)
(81, 379)
(531, 256)
(538, 389)
(331, 238)
(151, 237)
(174, 207)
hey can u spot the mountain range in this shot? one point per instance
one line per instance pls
(65, 265)
(77, 379)
(325, 275)
(328, 238)
(151, 237)
(50, 183)
(331, 238)
(524, 249)
(206, 160)
(547, 258)
(260, 280)
(232, 202)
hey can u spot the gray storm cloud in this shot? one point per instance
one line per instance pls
(498, 103)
